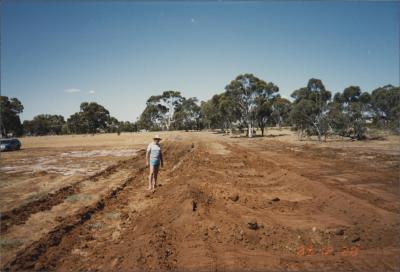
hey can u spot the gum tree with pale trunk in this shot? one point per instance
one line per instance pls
(247, 90)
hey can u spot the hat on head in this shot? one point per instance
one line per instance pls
(157, 137)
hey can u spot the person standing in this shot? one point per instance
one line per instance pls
(154, 159)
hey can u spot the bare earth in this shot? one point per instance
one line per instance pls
(79, 203)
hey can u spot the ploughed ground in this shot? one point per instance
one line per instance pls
(230, 204)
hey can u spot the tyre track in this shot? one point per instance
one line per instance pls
(27, 259)
(18, 216)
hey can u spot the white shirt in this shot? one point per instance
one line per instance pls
(155, 151)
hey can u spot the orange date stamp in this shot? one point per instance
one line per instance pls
(310, 250)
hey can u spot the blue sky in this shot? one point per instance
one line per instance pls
(56, 55)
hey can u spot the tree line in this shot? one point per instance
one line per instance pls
(90, 119)
(247, 103)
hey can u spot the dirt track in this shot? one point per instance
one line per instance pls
(310, 207)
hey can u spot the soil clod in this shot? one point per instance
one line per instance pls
(253, 225)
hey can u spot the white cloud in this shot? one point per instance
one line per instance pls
(76, 90)
(192, 20)
(72, 90)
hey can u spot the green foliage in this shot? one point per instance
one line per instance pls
(252, 96)
(187, 115)
(221, 111)
(246, 102)
(76, 124)
(10, 122)
(128, 126)
(228, 108)
(91, 118)
(310, 108)
(280, 111)
(159, 110)
(385, 102)
(112, 125)
(339, 120)
(44, 124)
(209, 113)
(349, 111)
(263, 112)
(153, 116)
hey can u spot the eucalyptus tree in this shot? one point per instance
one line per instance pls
(126, 126)
(263, 112)
(187, 114)
(75, 124)
(113, 125)
(95, 116)
(385, 103)
(153, 116)
(91, 118)
(250, 92)
(170, 100)
(280, 110)
(348, 112)
(209, 114)
(229, 111)
(10, 123)
(160, 109)
(44, 124)
(310, 108)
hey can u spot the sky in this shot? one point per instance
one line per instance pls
(56, 55)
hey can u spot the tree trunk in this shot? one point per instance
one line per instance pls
(319, 135)
(262, 131)
(300, 133)
(250, 131)
(318, 131)
(279, 122)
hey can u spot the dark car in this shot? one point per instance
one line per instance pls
(10, 144)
